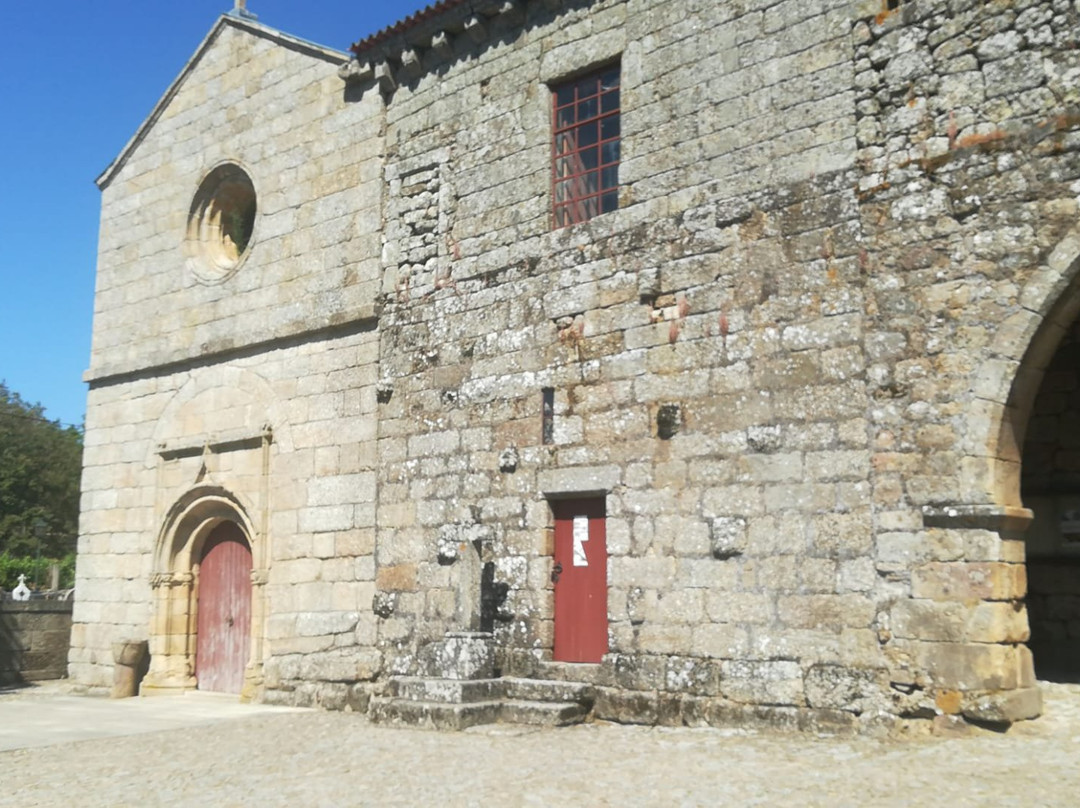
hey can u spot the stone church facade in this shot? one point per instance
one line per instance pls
(718, 359)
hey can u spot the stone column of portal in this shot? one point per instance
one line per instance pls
(171, 635)
(253, 671)
(966, 623)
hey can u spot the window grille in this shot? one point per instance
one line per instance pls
(585, 147)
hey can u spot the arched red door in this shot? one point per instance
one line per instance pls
(224, 626)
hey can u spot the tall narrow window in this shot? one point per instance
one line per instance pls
(547, 415)
(585, 148)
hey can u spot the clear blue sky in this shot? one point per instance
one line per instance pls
(77, 77)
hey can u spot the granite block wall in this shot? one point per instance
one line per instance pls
(798, 362)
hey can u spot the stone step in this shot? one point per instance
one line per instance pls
(543, 713)
(449, 691)
(566, 671)
(455, 704)
(395, 712)
(554, 690)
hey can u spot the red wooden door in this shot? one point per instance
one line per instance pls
(224, 639)
(580, 573)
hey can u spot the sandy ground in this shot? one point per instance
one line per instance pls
(266, 756)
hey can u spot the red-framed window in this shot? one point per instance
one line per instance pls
(585, 147)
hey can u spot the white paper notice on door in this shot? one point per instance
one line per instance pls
(581, 535)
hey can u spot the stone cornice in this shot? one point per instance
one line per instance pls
(408, 48)
(361, 318)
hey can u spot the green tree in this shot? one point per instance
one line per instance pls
(40, 463)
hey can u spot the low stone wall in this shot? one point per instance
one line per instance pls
(34, 640)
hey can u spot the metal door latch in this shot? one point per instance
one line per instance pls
(556, 571)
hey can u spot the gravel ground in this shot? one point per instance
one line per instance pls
(316, 758)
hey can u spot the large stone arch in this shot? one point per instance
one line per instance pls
(975, 651)
(1005, 385)
(175, 583)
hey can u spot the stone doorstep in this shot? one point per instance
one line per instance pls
(543, 713)
(464, 691)
(552, 690)
(575, 672)
(397, 712)
(448, 691)
(450, 704)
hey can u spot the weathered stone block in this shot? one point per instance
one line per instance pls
(665, 638)
(460, 655)
(841, 688)
(638, 671)
(842, 535)
(967, 582)
(681, 606)
(692, 675)
(828, 612)
(1014, 74)
(626, 707)
(943, 621)
(397, 578)
(775, 682)
(971, 666)
(313, 624)
(1004, 622)
(728, 535)
(719, 640)
(1004, 707)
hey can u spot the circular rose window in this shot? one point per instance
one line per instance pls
(221, 222)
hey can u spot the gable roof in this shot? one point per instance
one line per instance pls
(251, 26)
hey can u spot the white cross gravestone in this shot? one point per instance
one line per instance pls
(21, 592)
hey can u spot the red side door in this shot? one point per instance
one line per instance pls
(580, 574)
(224, 638)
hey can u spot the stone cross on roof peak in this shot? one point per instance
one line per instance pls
(240, 10)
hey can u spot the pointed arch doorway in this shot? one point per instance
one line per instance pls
(223, 633)
(208, 625)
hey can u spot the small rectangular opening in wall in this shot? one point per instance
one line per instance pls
(547, 415)
(668, 421)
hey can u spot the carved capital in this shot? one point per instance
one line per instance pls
(160, 579)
